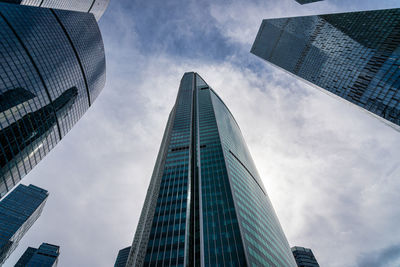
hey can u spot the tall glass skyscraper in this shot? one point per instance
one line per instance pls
(206, 205)
(355, 56)
(18, 211)
(45, 256)
(304, 257)
(122, 257)
(52, 68)
(96, 7)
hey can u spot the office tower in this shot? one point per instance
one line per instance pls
(122, 257)
(52, 68)
(24, 259)
(206, 205)
(45, 256)
(96, 7)
(18, 211)
(304, 257)
(302, 2)
(354, 56)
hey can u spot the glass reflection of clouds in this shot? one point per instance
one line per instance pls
(53, 68)
(353, 56)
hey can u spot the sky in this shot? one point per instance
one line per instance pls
(330, 169)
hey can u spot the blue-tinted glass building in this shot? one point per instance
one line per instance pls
(45, 256)
(96, 7)
(52, 68)
(302, 2)
(304, 257)
(18, 211)
(206, 204)
(24, 259)
(122, 257)
(354, 56)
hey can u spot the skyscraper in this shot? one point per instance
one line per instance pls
(354, 56)
(304, 257)
(52, 67)
(122, 257)
(29, 252)
(206, 205)
(302, 2)
(18, 211)
(96, 7)
(45, 256)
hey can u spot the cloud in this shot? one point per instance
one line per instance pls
(389, 256)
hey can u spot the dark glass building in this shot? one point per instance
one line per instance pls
(18, 211)
(52, 67)
(45, 256)
(206, 205)
(354, 56)
(96, 7)
(122, 257)
(29, 252)
(302, 2)
(304, 257)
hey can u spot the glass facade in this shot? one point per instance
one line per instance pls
(18, 211)
(96, 7)
(304, 257)
(52, 67)
(354, 56)
(206, 205)
(45, 256)
(24, 259)
(302, 2)
(122, 257)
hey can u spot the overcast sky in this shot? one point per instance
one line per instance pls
(331, 170)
